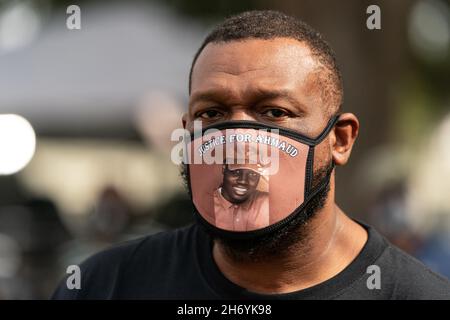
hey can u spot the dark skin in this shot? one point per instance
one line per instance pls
(238, 185)
(276, 82)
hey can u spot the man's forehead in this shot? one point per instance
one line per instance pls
(280, 59)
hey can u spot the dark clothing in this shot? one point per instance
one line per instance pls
(179, 265)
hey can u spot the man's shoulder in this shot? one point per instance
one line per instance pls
(411, 279)
(156, 244)
(102, 272)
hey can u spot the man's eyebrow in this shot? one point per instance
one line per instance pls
(211, 95)
(279, 94)
(257, 95)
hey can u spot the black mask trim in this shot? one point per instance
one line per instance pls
(284, 131)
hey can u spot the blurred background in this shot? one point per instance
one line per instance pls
(86, 117)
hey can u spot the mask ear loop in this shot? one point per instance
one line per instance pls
(309, 170)
(331, 123)
(310, 161)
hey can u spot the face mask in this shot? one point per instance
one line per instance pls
(246, 178)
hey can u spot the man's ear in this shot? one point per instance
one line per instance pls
(343, 137)
(184, 120)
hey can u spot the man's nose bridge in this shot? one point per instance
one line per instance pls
(241, 113)
(243, 176)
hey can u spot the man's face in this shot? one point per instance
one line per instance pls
(277, 82)
(239, 184)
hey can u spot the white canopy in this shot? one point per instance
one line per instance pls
(97, 75)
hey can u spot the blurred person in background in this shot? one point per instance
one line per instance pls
(111, 215)
(31, 235)
(268, 68)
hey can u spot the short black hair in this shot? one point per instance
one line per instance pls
(269, 24)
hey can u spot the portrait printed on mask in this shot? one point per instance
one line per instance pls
(241, 203)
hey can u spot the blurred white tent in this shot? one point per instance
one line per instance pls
(93, 78)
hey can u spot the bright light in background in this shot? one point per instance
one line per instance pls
(19, 25)
(17, 143)
(429, 29)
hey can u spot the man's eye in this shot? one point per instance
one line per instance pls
(235, 173)
(275, 113)
(209, 114)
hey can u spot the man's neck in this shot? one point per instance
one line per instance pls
(332, 243)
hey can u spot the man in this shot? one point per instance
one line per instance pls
(267, 67)
(238, 205)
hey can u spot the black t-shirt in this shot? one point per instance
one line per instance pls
(179, 265)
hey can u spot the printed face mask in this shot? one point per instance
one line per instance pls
(247, 178)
